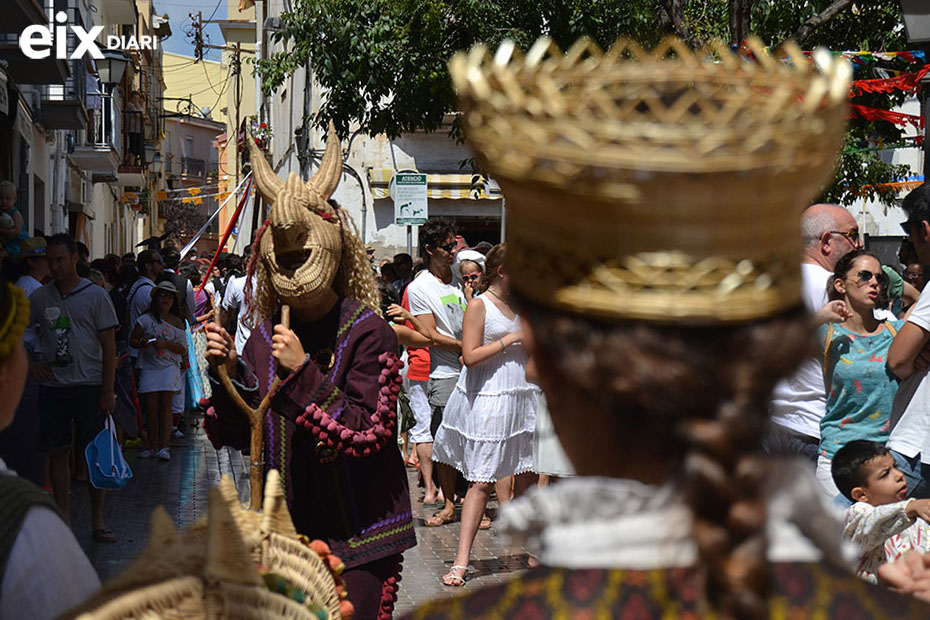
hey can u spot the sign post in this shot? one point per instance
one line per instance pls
(410, 202)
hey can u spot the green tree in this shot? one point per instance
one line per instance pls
(382, 63)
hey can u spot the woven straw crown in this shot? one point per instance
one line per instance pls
(662, 186)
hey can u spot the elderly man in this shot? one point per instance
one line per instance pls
(798, 403)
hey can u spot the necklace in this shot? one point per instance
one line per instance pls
(503, 301)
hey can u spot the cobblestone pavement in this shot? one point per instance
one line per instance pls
(182, 486)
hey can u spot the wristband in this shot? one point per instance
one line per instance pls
(503, 348)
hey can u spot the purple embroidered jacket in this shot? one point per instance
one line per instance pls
(330, 431)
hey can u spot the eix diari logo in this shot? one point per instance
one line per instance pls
(36, 41)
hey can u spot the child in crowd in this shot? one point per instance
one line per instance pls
(11, 235)
(159, 336)
(882, 521)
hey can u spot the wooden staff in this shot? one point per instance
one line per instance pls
(255, 418)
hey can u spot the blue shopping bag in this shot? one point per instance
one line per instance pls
(194, 393)
(106, 467)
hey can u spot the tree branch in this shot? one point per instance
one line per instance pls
(675, 11)
(815, 22)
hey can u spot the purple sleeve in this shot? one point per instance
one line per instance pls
(224, 423)
(357, 419)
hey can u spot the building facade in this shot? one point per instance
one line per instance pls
(71, 130)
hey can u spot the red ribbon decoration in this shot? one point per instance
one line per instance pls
(877, 114)
(905, 82)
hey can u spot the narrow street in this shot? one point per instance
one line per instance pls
(182, 487)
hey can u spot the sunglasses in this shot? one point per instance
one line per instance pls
(864, 275)
(447, 247)
(851, 235)
(908, 226)
(471, 277)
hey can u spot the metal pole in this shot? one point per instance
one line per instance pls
(409, 239)
(925, 113)
(503, 219)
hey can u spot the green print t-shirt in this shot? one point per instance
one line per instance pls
(860, 388)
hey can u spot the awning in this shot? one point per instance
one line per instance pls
(439, 186)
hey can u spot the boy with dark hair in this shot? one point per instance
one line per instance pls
(883, 522)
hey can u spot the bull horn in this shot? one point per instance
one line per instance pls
(328, 176)
(268, 183)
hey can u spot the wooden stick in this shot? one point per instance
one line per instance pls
(255, 417)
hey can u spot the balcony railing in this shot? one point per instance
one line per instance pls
(193, 167)
(133, 138)
(106, 122)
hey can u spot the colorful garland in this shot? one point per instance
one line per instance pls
(14, 324)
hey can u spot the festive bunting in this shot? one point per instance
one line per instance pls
(214, 215)
(905, 82)
(876, 114)
(232, 222)
(900, 186)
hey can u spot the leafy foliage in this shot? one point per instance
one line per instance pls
(382, 63)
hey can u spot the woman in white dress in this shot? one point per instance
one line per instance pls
(488, 424)
(159, 335)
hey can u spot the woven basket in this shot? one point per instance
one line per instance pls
(210, 571)
(188, 598)
(302, 567)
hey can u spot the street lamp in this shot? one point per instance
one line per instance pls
(300, 139)
(156, 164)
(111, 67)
(916, 14)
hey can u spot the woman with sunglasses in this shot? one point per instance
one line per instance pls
(860, 388)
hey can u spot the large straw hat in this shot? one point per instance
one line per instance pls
(662, 186)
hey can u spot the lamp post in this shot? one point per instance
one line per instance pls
(112, 66)
(916, 14)
(300, 139)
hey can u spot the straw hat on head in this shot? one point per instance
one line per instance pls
(168, 287)
(662, 186)
(31, 247)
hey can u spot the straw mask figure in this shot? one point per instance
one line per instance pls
(321, 388)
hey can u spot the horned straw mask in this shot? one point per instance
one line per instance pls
(301, 248)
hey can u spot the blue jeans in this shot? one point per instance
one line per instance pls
(916, 473)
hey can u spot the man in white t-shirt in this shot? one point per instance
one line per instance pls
(439, 305)
(799, 402)
(234, 301)
(908, 357)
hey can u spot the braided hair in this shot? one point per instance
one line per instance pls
(702, 394)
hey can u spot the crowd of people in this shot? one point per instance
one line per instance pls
(664, 397)
(858, 411)
(118, 337)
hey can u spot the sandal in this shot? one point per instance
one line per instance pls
(439, 519)
(485, 523)
(104, 535)
(455, 581)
